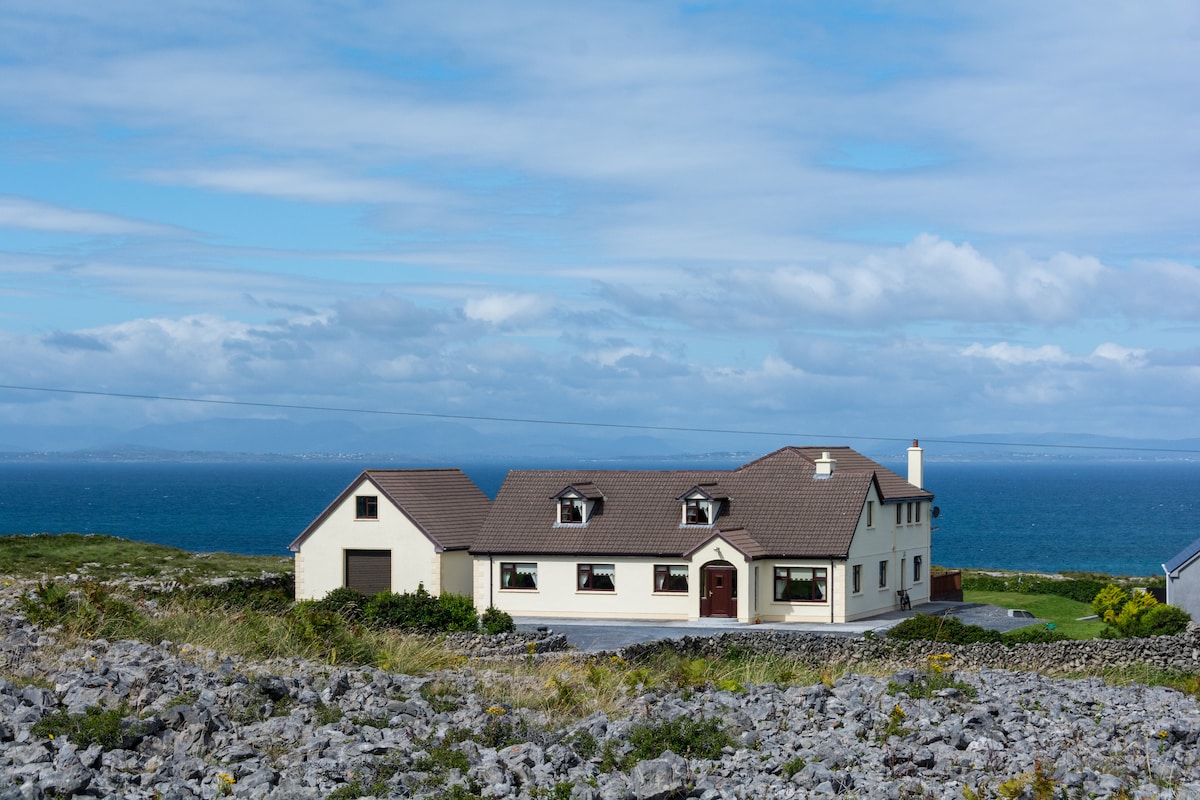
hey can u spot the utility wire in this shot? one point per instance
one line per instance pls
(575, 423)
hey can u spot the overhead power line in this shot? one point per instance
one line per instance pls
(574, 423)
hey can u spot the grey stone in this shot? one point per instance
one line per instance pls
(65, 782)
(659, 778)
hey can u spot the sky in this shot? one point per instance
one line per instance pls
(839, 219)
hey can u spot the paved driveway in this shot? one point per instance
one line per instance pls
(611, 634)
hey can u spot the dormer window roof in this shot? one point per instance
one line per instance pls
(702, 503)
(588, 491)
(705, 491)
(576, 503)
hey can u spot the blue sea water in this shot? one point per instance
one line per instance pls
(1123, 518)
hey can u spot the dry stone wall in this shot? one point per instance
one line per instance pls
(1180, 653)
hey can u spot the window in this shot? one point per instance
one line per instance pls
(856, 578)
(916, 569)
(910, 505)
(570, 511)
(899, 513)
(800, 584)
(670, 578)
(882, 574)
(870, 513)
(366, 506)
(697, 513)
(596, 577)
(518, 576)
(918, 512)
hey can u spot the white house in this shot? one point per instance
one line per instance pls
(800, 535)
(393, 530)
(1183, 579)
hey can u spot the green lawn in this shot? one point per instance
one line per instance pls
(1062, 612)
(110, 558)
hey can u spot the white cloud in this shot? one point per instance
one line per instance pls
(33, 215)
(1011, 355)
(498, 309)
(635, 189)
(303, 183)
(1126, 356)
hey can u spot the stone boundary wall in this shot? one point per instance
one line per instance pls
(1180, 653)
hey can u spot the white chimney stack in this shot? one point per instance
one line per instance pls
(916, 465)
(825, 465)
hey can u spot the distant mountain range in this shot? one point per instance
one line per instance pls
(439, 441)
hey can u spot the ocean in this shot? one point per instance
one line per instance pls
(1117, 517)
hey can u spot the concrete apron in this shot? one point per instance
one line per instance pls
(612, 634)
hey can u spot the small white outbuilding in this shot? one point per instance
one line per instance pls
(393, 530)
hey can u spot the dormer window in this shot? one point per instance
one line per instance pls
(570, 510)
(701, 504)
(577, 503)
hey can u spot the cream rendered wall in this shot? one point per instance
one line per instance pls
(896, 544)
(832, 610)
(557, 595)
(457, 573)
(720, 550)
(322, 555)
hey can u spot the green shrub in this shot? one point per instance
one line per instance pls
(1078, 589)
(421, 611)
(923, 627)
(457, 612)
(105, 727)
(1137, 613)
(328, 634)
(417, 610)
(1108, 602)
(441, 757)
(1164, 620)
(48, 604)
(270, 593)
(982, 582)
(348, 603)
(683, 736)
(92, 610)
(496, 621)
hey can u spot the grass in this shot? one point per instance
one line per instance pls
(1062, 612)
(108, 558)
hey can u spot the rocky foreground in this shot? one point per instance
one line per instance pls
(196, 725)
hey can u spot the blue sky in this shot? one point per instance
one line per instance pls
(872, 219)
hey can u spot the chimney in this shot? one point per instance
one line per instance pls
(916, 465)
(825, 466)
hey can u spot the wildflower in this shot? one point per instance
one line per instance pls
(898, 712)
(496, 710)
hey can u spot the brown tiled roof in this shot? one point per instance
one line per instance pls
(775, 507)
(444, 503)
(892, 487)
(587, 490)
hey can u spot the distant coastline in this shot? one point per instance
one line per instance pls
(714, 459)
(1046, 515)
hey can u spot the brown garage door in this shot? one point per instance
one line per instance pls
(369, 571)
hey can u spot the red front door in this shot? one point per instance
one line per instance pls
(719, 590)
